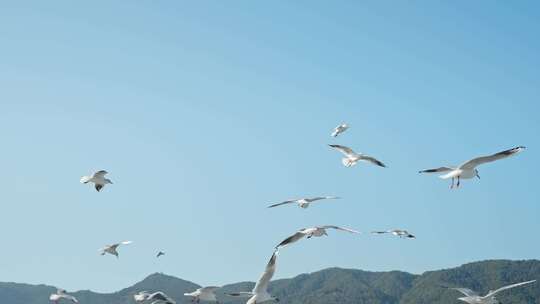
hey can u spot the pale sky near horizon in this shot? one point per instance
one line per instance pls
(205, 112)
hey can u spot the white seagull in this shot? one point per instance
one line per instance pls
(61, 294)
(203, 293)
(98, 179)
(468, 170)
(303, 202)
(472, 297)
(160, 298)
(141, 296)
(340, 129)
(351, 157)
(397, 232)
(260, 294)
(311, 232)
(111, 249)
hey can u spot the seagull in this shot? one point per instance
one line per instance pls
(160, 254)
(111, 249)
(260, 294)
(397, 232)
(160, 298)
(472, 297)
(311, 232)
(351, 157)
(340, 129)
(141, 296)
(98, 179)
(468, 170)
(203, 293)
(303, 202)
(61, 294)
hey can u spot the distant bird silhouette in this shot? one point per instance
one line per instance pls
(160, 254)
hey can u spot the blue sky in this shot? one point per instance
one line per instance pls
(203, 113)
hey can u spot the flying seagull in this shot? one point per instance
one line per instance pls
(468, 170)
(351, 157)
(472, 297)
(303, 202)
(141, 296)
(311, 232)
(61, 294)
(160, 254)
(397, 232)
(160, 298)
(203, 293)
(340, 129)
(98, 179)
(111, 249)
(260, 294)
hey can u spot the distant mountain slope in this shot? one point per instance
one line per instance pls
(330, 286)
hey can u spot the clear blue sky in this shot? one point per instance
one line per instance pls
(203, 113)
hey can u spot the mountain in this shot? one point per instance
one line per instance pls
(329, 286)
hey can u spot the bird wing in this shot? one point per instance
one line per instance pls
(291, 239)
(242, 294)
(283, 203)
(492, 293)
(466, 291)
(339, 228)
(372, 160)
(158, 296)
(71, 298)
(471, 164)
(436, 170)
(262, 284)
(100, 173)
(380, 232)
(318, 198)
(85, 179)
(125, 243)
(343, 149)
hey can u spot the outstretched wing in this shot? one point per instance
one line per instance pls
(318, 198)
(125, 243)
(486, 159)
(494, 292)
(381, 232)
(100, 173)
(343, 149)
(262, 284)
(282, 203)
(293, 238)
(241, 294)
(466, 291)
(436, 170)
(372, 160)
(339, 228)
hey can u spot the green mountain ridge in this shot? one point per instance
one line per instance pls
(329, 286)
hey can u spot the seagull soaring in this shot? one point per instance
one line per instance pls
(111, 249)
(260, 294)
(141, 296)
(303, 202)
(61, 294)
(311, 232)
(340, 129)
(160, 254)
(397, 232)
(203, 293)
(472, 297)
(98, 179)
(468, 170)
(160, 298)
(351, 157)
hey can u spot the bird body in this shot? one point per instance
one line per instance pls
(98, 178)
(61, 294)
(203, 293)
(468, 170)
(112, 249)
(397, 232)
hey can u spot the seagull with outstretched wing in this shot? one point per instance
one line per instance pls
(98, 178)
(397, 232)
(351, 157)
(303, 202)
(61, 294)
(112, 249)
(472, 297)
(311, 232)
(468, 170)
(339, 129)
